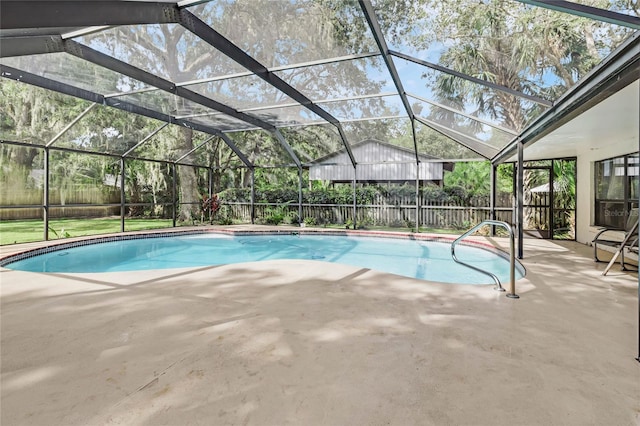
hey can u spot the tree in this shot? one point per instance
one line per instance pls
(431, 143)
(33, 115)
(473, 177)
(529, 49)
(182, 59)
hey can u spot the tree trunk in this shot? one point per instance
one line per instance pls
(188, 188)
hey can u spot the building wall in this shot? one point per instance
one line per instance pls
(609, 129)
(585, 231)
(376, 162)
(377, 172)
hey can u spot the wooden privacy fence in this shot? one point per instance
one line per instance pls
(434, 215)
(66, 203)
(395, 212)
(60, 212)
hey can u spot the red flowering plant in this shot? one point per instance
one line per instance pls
(210, 205)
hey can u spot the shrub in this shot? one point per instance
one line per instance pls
(278, 214)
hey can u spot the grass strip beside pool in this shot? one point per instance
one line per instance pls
(24, 231)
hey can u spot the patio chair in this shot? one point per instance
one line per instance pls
(632, 247)
(630, 228)
(630, 243)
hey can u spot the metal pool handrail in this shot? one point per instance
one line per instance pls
(512, 258)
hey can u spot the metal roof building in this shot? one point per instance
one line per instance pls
(381, 162)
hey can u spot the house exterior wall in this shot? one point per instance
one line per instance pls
(585, 188)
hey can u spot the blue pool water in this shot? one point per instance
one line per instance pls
(419, 259)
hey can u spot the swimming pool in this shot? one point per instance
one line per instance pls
(428, 260)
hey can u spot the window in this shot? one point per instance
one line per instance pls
(616, 189)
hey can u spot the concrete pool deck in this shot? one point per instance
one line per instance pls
(305, 342)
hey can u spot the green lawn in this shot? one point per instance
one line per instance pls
(24, 231)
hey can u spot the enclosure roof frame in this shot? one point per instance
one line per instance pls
(587, 11)
(41, 27)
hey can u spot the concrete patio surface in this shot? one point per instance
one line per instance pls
(311, 343)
